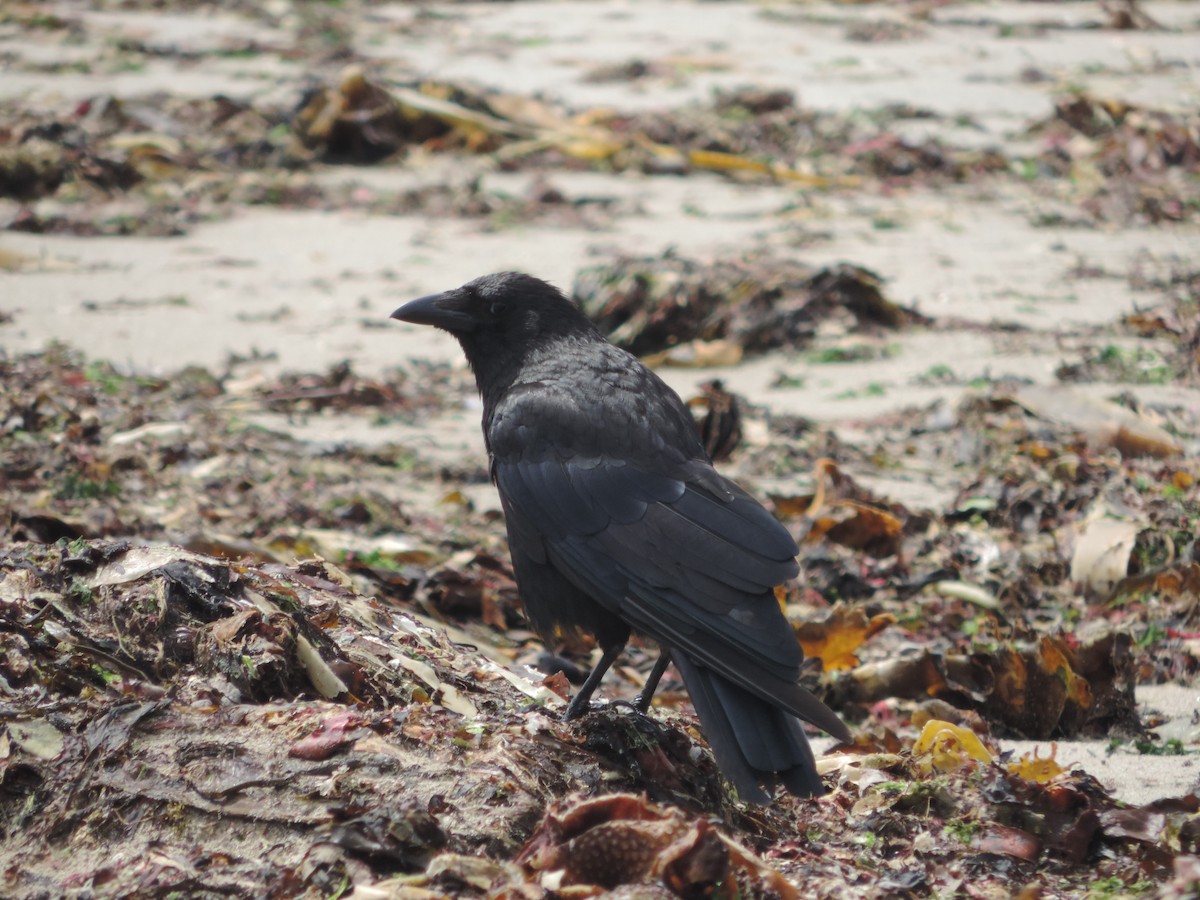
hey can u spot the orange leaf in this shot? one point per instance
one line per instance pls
(1055, 661)
(835, 640)
(792, 507)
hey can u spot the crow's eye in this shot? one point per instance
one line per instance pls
(496, 308)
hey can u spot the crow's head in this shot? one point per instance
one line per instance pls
(503, 321)
(509, 306)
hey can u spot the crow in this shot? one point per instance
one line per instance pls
(618, 522)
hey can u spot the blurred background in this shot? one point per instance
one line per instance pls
(926, 271)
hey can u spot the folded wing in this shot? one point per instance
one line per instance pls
(684, 556)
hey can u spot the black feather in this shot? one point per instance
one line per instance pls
(617, 520)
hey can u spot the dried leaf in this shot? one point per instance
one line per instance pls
(37, 737)
(623, 839)
(913, 676)
(971, 593)
(445, 694)
(944, 747)
(1102, 551)
(698, 355)
(323, 678)
(1039, 769)
(1007, 841)
(334, 732)
(558, 683)
(834, 640)
(858, 526)
(1103, 423)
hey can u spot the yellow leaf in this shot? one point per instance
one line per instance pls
(944, 747)
(1036, 768)
(589, 149)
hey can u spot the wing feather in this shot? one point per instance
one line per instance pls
(669, 545)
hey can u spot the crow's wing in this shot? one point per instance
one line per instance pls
(678, 551)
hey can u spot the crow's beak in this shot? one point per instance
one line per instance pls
(448, 311)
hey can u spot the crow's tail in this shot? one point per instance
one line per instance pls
(755, 743)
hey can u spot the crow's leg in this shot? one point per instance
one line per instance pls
(642, 701)
(583, 699)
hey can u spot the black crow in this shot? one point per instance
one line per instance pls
(617, 520)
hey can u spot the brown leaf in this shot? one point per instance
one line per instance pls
(333, 733)
(1103, 423)
(623, 839)
(721, 426)
(834, 640)
(913, 677)
(859, 526)
(1002, 839)
(558, 683)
